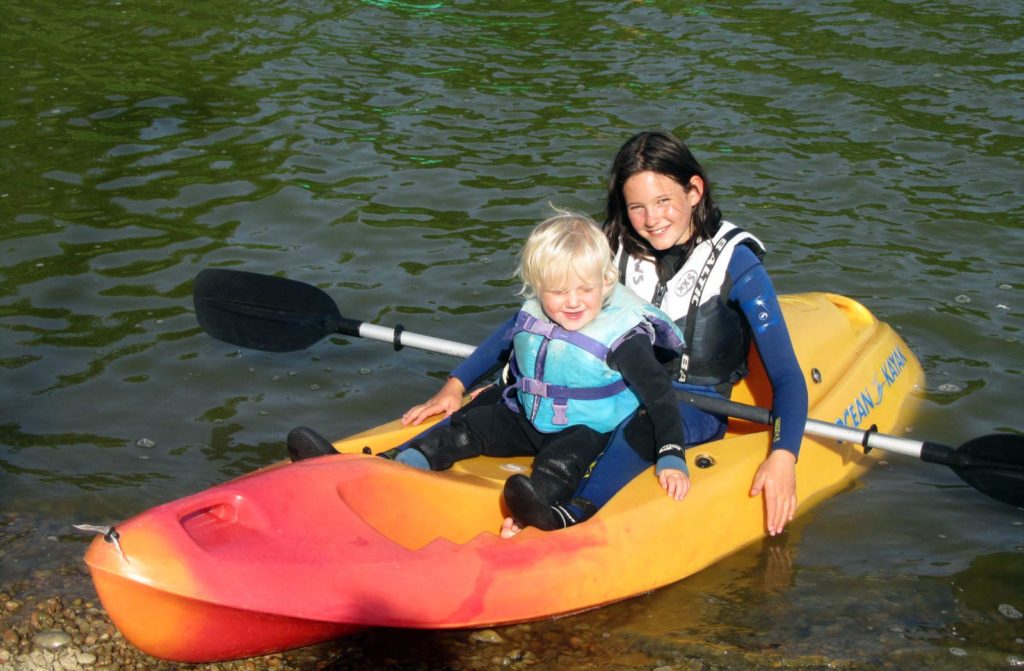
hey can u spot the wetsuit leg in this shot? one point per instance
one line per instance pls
(614, 468)
(564, 457)
(445, 445)
(493, 430)
(630, 451)
(490, 396)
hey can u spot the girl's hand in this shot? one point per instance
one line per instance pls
(447, 400)
(674, 482)
(777, 478)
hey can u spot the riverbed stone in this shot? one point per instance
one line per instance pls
(51, 639)
(486, 636)
(1010, 611)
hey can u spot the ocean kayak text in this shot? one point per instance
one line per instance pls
(872, 395)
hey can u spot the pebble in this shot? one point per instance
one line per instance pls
(1010, 612)
(958, 652)
(51, 639)
(486, 636)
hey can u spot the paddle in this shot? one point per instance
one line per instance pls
(274, 314)
(992, 464)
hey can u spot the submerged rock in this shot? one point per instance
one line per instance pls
(1010, 612)
(486, 636)
(51, 639)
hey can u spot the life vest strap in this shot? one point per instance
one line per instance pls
(552, 331)
(537, 387)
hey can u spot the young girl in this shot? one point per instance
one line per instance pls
(581, 361)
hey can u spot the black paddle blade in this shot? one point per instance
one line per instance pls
(993, 465)
(263, 312)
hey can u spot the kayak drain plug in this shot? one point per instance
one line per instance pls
(704, 461)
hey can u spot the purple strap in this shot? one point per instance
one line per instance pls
(536, 387)
(552, 331)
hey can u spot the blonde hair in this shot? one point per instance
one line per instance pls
(561, 246)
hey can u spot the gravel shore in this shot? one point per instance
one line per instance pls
(47, 634)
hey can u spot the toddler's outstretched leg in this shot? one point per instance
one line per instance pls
(441, 448)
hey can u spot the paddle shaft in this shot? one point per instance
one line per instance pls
(869, 438)
(400, 338)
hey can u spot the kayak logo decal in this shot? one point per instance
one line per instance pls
(873, 395)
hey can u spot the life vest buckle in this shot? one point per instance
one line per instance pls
(534, 387)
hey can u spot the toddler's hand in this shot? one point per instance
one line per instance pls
(447, 400)
(674, 482)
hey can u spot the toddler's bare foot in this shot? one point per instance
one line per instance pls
(509, 528)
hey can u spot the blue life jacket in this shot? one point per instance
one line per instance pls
(563, 378)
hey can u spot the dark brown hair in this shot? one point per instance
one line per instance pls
(664, 154)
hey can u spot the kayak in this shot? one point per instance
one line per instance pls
(298, 553)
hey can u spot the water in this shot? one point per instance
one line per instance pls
(395, 153)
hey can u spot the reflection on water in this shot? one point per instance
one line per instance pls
(395, 153)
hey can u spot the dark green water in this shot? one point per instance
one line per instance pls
(395, 153)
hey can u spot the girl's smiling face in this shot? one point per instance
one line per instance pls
(660, 209)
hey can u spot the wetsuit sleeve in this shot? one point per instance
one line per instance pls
(488, 356)
(752, 290)
(634, 358)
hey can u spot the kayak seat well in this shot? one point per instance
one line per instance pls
(414, 508)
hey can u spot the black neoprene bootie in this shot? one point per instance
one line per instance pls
(305, 443)
(528, 506)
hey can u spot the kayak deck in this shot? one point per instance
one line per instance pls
(299, 553)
